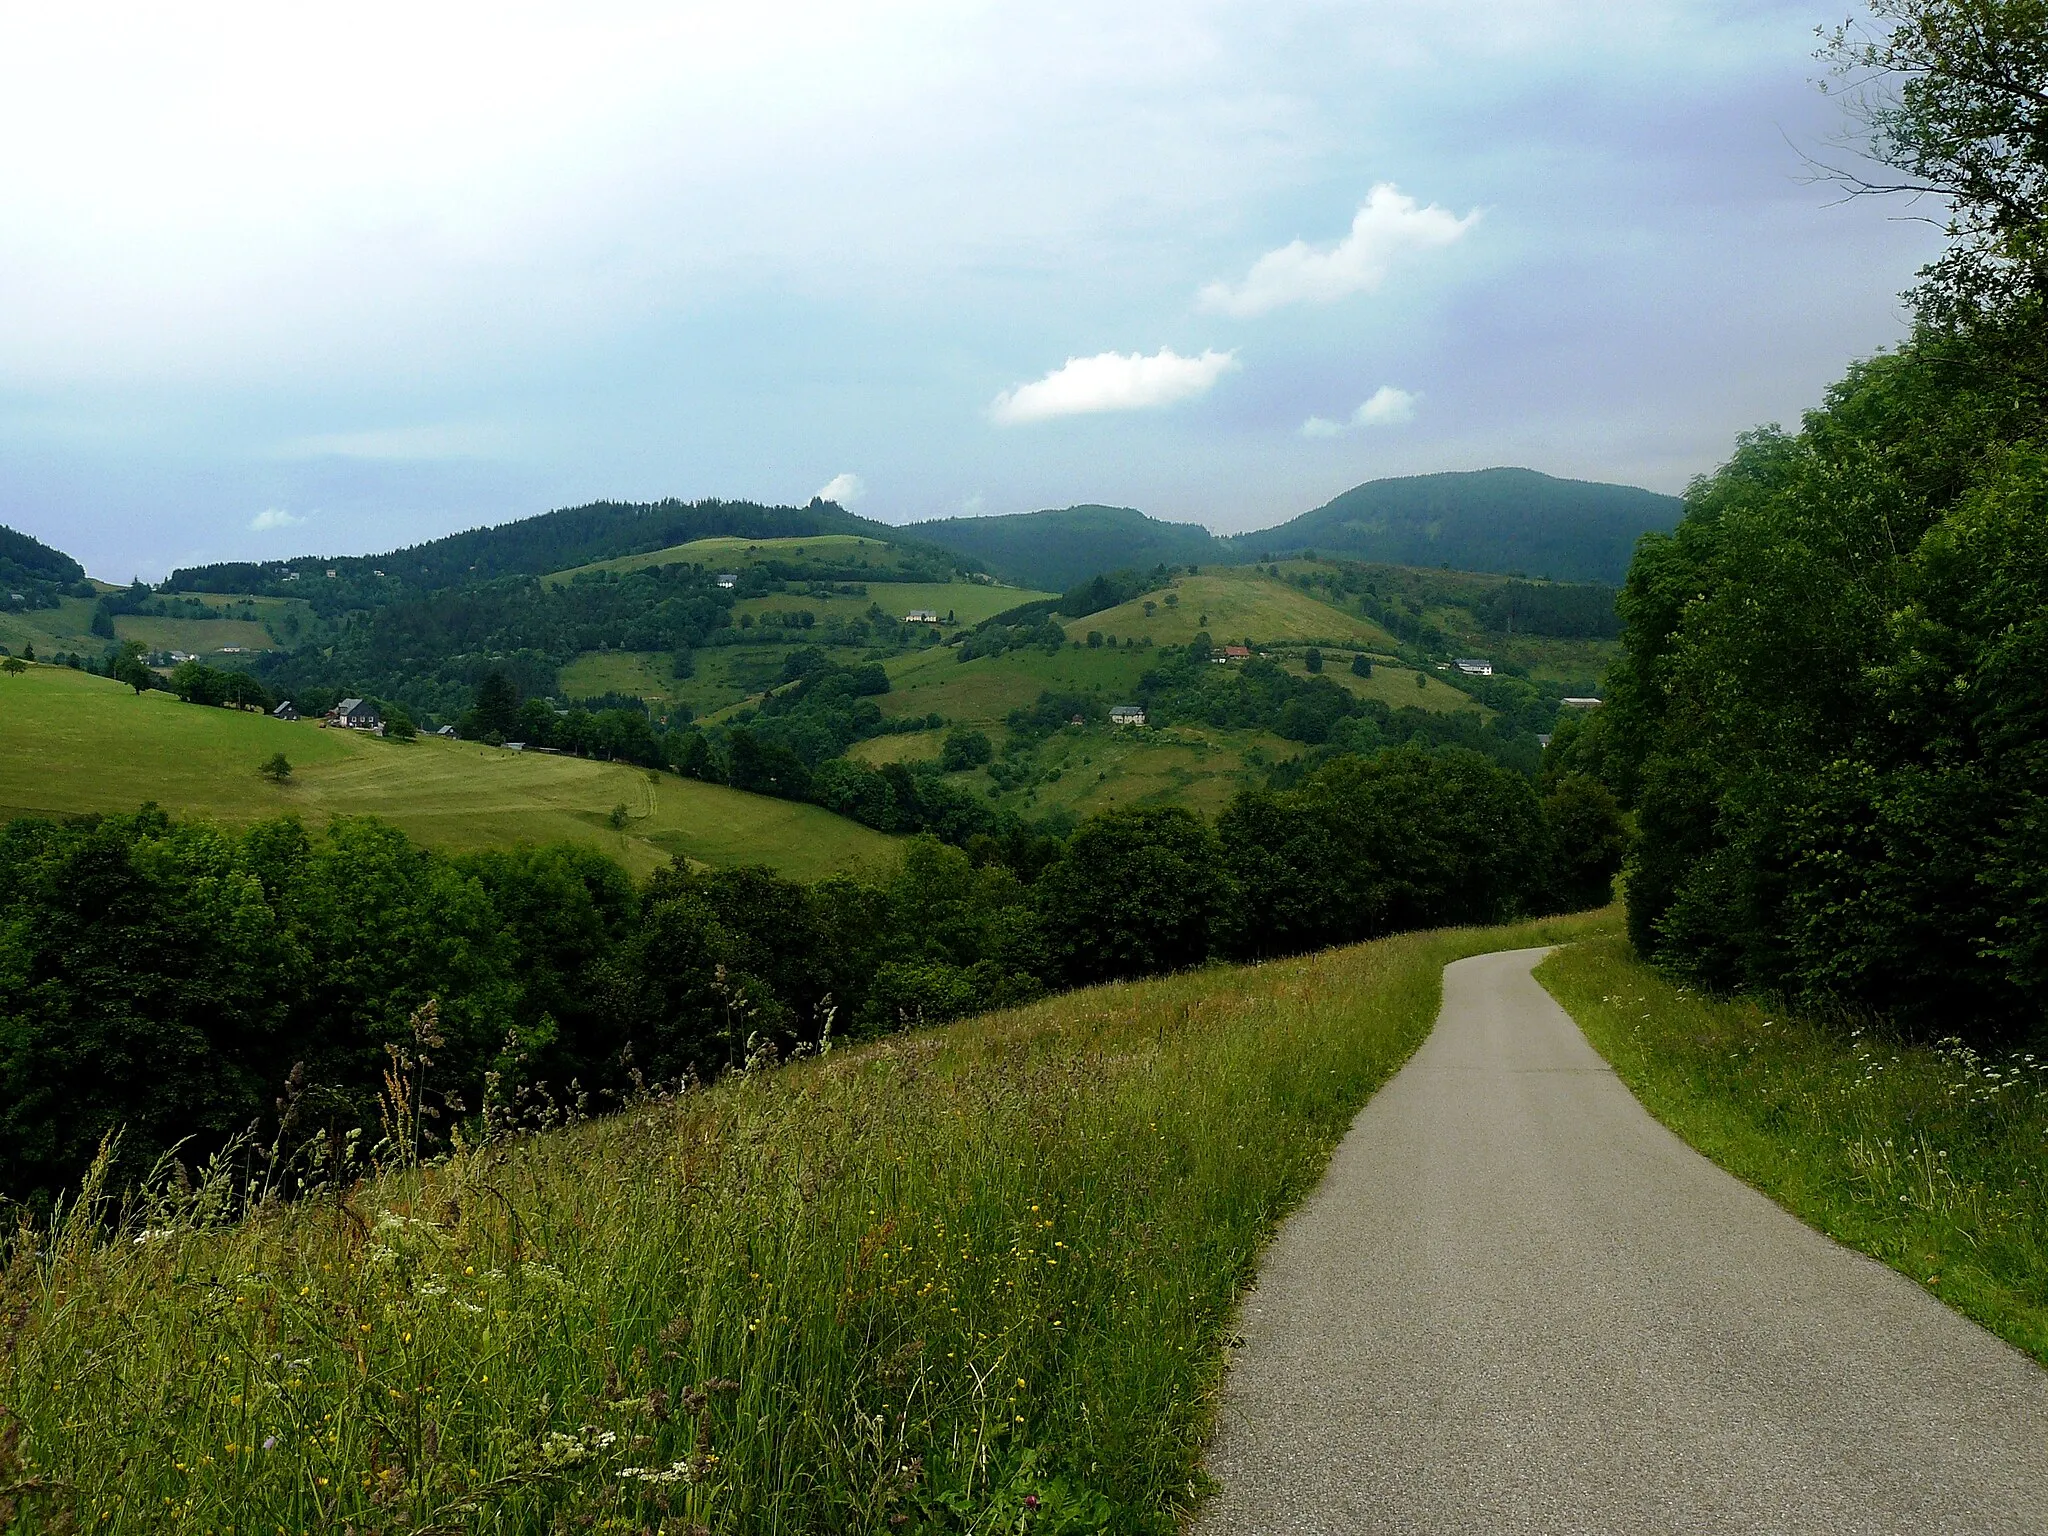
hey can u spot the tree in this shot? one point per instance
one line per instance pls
(1312, 658)
(964, 748)
(1949, 97)
(1361, 665)
(13, 666)
(1587, 839)
(28, 653)
(495, 710)
(1135, 892)
(276, 768)
(128, 668)
(398, 725)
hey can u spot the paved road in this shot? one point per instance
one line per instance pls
(1517, 1303)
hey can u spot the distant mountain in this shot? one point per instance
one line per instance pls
(1506, 520)
(1510, 521)
(535, 546)
(1055, 550)
(38, 573)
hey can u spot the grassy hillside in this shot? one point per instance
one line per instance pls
(72, 742)
(1231, 604)
(733, 553)
(976, 1279)
(1502, 520)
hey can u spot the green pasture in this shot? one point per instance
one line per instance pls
(1393, 685)
(1107, 768)
(200, 636)
(1236, 602)
(984, 691)
(71, 742)
(727, 554)
(67, 627)
(909, 747)
(968, 601)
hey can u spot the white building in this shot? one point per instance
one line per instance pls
(1473, 666)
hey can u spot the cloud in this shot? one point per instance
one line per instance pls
(271, 518)
(1390, 226)
(845, 489)
(1112, 381)
(1388, 407)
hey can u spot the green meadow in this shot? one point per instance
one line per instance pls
(72, 742)
(977, 1279)
(1232, 603)
(968, 602)
(825, 549)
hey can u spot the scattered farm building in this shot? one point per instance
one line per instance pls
(355, 715)
(728, 580)
(921, 616)
(1473, 666)
(1232, 653)
(1580, 703)
(1127, 714)
(515, 746)
(285, 711)
(446, 730)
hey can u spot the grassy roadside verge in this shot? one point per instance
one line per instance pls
(1932, 1160)
(972, 1279)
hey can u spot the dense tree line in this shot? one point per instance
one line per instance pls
(39, 576)
(1566, 610)
(1832, 711)
(170, 977)
(534, 546)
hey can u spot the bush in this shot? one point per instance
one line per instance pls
(964, 748)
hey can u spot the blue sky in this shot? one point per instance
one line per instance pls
(273, 282)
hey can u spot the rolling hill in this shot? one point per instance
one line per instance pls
(1511, 521)
(1058, 549)
(1501, 521)
(76, 743)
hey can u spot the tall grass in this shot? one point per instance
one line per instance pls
(1933, 1159)
(974, 1279)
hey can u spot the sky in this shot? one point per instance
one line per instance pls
(280, 280)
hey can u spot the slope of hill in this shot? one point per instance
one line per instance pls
(31, 573)
(536, 546)
(1504, 521)
(1059, 548)
(1513, 521)
(75, 743)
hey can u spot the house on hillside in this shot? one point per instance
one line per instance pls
(1473, 666)
(446, 730)
(1580, 703)
(728, 580)
(355, 715)
(921, 616)
(1127, 714)
(515, 746)
(284, 711)
(1231, 653)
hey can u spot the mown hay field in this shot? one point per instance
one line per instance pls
(975, 1279)
(72, 742)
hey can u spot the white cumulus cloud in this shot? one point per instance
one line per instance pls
(273, 517)
(1390, 226)
(1388, 407)
(1112, 381)
(845, 489)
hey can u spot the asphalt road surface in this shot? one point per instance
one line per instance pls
(1517, 1303)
